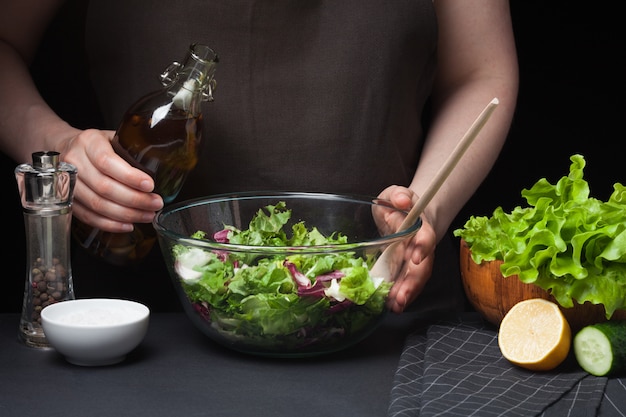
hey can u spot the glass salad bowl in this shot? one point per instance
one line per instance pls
(283, 274)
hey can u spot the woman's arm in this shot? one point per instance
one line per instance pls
(109, 193)
(477, 62)
(26, 121)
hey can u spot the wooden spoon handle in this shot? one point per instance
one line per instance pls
(449, 165)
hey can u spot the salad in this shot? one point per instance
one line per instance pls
(564, 241)
(287, 300)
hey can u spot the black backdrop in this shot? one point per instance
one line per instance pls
(571, 90)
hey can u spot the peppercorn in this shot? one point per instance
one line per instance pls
(48, 282)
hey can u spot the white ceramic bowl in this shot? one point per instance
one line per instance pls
(95, 332)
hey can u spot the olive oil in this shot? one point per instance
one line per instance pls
(167, 151)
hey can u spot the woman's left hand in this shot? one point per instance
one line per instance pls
(419, 253)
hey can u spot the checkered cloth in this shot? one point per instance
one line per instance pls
(456, 369)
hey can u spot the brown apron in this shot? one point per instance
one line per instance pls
(311, 95)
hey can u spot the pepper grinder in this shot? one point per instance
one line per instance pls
(46, 188)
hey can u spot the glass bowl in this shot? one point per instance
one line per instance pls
(282, 274)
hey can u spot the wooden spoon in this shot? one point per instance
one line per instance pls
(382, 266)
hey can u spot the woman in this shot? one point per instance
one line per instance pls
(322, 96)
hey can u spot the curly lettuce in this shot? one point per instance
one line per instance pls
(564, 241)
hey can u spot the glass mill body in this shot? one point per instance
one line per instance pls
(46, 188)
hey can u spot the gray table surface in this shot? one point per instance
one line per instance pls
(177, 371)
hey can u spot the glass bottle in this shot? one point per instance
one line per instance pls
(46, 188)
(161, 135)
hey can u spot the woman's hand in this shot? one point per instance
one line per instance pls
(419, 253)
(109, 194)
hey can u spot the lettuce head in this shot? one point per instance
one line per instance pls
(564, 241)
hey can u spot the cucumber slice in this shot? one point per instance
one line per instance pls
(600, 349)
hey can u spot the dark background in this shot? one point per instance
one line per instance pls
(571, 60)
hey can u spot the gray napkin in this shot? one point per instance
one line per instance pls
(455, 368)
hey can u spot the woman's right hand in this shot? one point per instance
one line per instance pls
(109, 193)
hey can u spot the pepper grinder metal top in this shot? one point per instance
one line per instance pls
(46, 189)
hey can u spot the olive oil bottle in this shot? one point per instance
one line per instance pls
(161, 135)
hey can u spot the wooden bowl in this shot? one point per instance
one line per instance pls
(492, 294)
